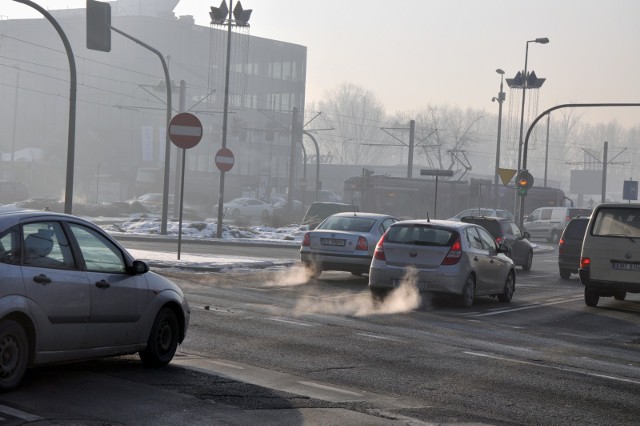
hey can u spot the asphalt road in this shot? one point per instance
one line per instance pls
(272, 347)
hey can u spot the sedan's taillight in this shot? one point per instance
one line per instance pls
(585, 262)
(362, 244)
(379, 251)
(306, 240)
(455, 253)
(499, 240)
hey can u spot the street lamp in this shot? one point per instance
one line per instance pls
(221, 16)
(500, 99)
(541, 40)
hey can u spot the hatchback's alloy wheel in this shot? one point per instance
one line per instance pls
(468, 293)
(509, 289)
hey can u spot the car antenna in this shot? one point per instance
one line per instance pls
(428, 220)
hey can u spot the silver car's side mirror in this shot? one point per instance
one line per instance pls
(138, 267)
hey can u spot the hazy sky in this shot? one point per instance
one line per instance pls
(411, 53)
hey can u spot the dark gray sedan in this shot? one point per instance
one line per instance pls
(70, 292)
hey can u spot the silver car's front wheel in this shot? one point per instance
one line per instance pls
(163, 341)
(469, 291)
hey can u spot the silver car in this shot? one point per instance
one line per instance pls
(343, 242)
(441, 256)
(70, 292)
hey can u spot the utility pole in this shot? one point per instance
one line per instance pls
(412, 135)
(604, 171)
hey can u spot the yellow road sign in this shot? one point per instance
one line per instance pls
(506, 175)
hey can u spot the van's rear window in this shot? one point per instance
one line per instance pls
(617, 221)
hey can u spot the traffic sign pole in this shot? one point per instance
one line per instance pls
(185, 131)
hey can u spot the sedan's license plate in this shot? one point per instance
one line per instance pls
(624, 266)
(332, 242)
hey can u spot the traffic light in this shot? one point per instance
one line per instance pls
(98, 25)
(524, 182)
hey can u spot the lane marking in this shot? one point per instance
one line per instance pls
(567, 369)
(537, 305)
(302, 324)
(329, 388)
(373, 336)
(19, 414)
(226, 364)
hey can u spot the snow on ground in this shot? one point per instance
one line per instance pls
(206, 229)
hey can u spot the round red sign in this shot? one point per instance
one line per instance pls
(185, 130)
(224, 159)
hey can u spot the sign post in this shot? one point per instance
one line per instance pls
(185, 131)
(436, 173)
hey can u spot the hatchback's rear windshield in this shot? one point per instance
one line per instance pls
(617, 221)
(420, 235)
(344, 223)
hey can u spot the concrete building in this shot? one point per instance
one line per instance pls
(121, 109)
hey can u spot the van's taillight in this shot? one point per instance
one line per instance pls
(560, 245)
(306, 240)
(455, 253)
(362, 244)
(378, 253)
(585, 262)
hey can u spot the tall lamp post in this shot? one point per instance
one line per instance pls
(500, 99)
(221, 16)
(541, 40)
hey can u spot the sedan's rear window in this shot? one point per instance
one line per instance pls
(344, 223)
(420, 235)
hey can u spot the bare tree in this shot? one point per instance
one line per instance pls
(356, 116)
(443, 134)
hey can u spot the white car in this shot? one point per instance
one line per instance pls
(610, 257)
(247, 208)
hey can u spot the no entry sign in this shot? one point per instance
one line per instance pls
(185, 130)
(224, 159)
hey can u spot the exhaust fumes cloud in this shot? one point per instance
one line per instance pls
(290, 277)
(405, 298)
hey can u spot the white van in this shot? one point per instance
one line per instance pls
(610, 257)
(549, 222)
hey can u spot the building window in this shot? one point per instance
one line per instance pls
(286, 70)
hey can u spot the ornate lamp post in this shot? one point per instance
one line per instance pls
(500, 99)
(222, 16)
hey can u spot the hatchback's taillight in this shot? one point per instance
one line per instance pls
(306, 240)
(378, 253)
(362, 244)
(585, 262)
(455, 253)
